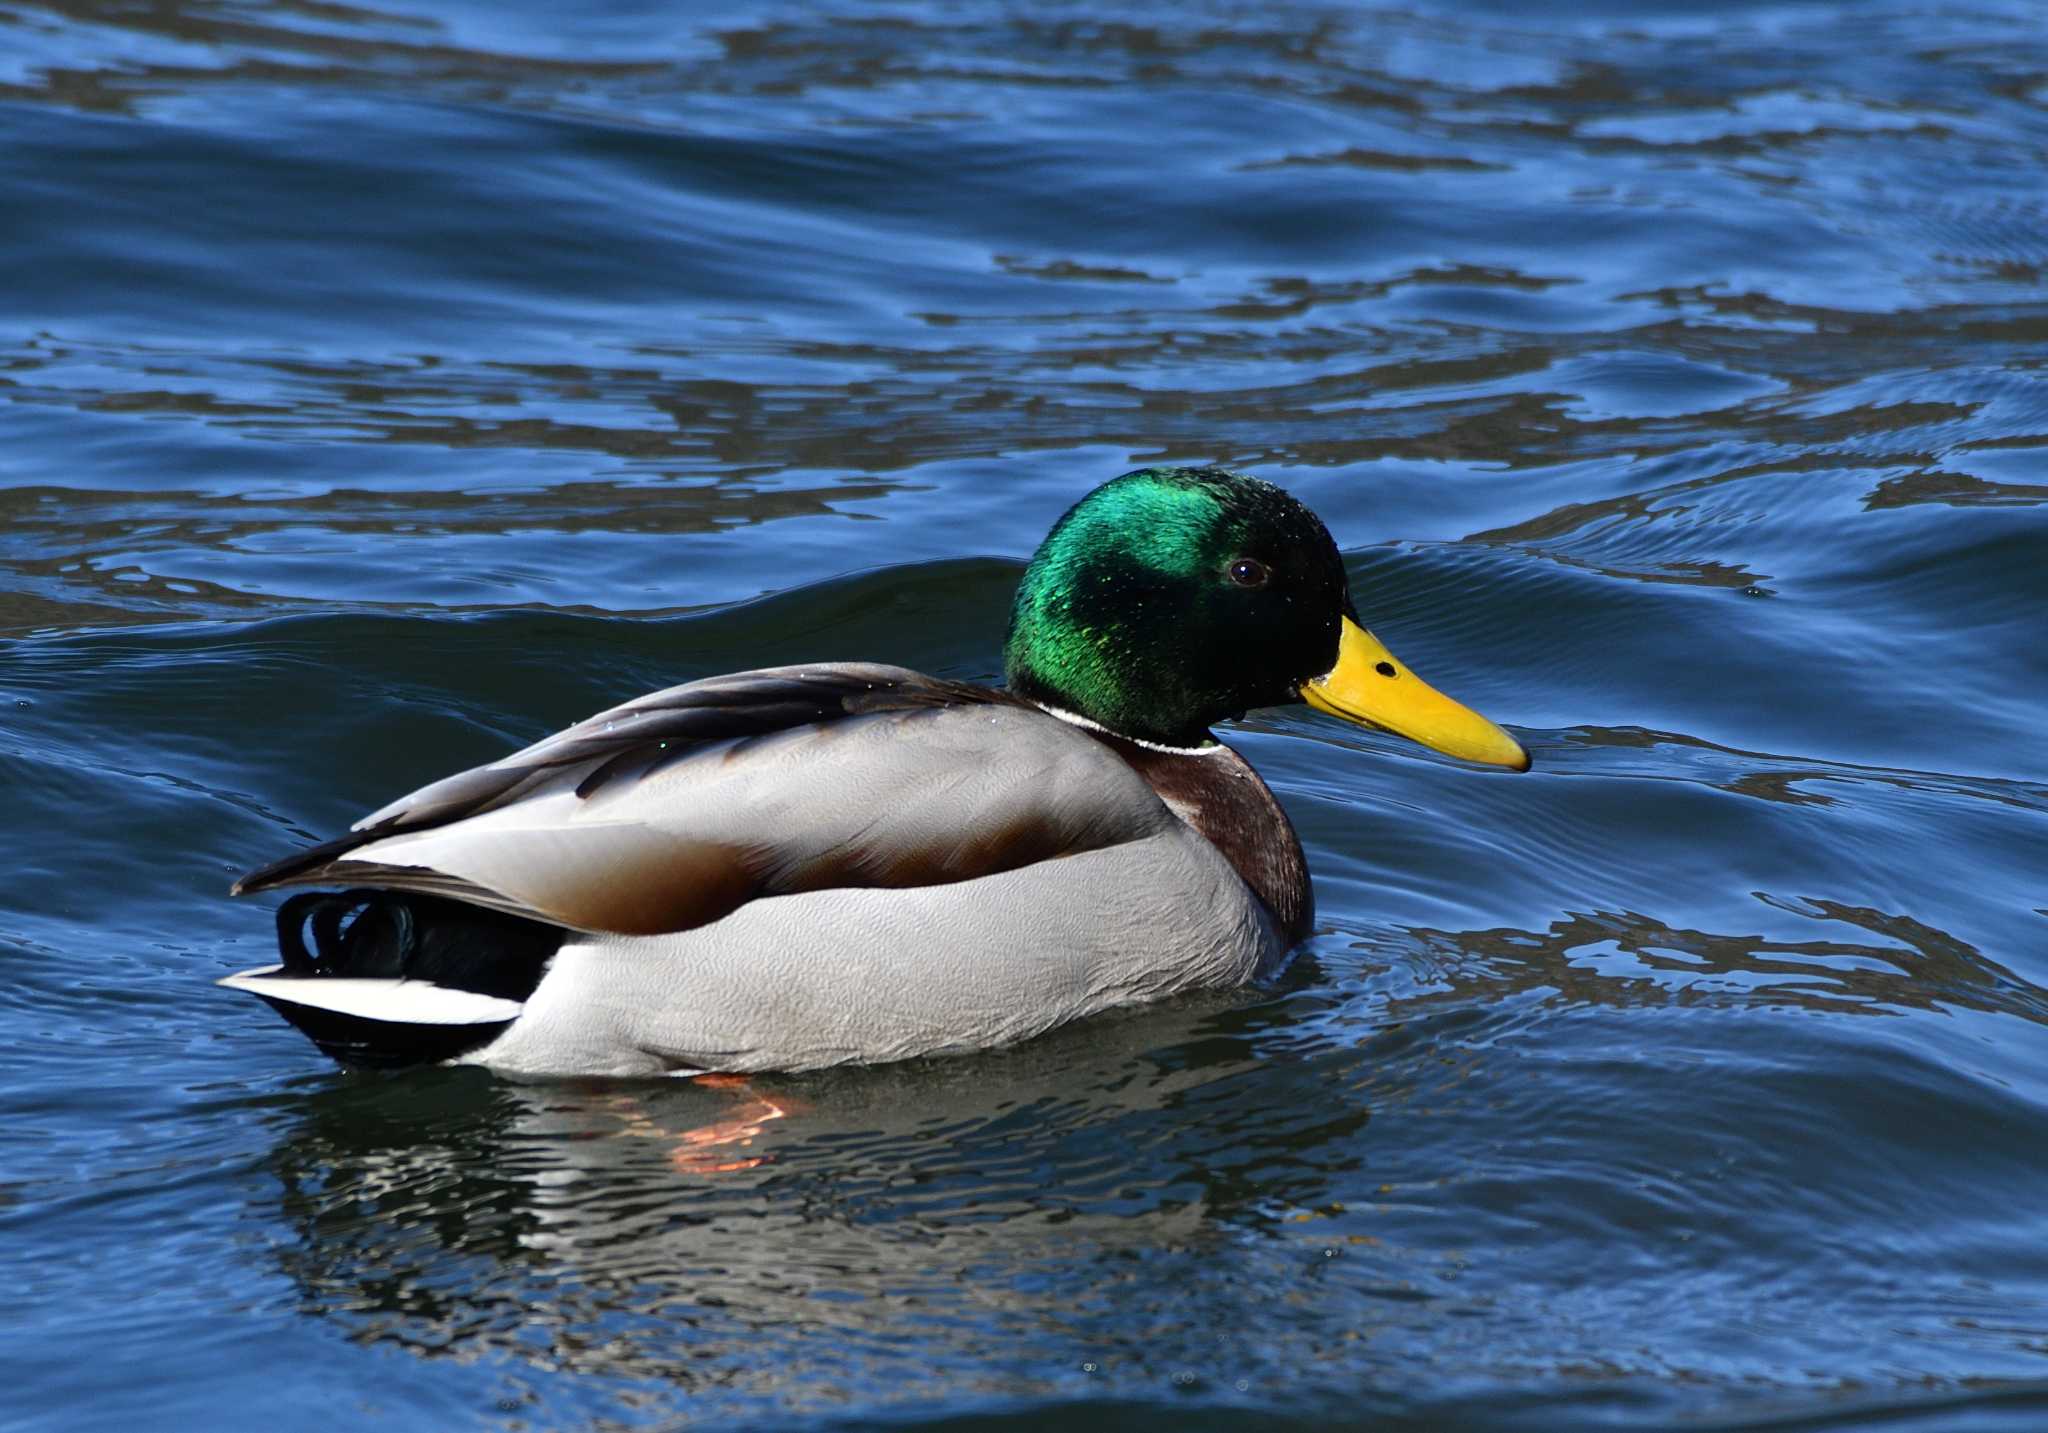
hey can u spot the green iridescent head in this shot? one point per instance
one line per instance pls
(1172, 598)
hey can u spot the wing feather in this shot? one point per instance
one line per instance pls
(673, 810)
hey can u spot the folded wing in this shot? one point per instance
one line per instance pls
(673, 810)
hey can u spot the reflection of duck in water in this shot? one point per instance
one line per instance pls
(721, 1145)
(911, 1216)
(810, 866)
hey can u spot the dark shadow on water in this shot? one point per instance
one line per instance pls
(1624, 957)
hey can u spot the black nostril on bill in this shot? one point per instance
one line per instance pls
(1386, 669)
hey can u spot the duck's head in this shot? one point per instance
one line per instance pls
(1171, 598)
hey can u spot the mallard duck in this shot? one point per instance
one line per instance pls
(851, 863)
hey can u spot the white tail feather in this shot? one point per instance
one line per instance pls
(407, 1002)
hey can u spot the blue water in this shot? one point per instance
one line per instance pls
(382, 388)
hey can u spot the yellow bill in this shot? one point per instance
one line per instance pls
(1369, 686)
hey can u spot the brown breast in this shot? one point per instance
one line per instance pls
(1219, 794)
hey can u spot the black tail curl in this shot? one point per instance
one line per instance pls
(397, 935)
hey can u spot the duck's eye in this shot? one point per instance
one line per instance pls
(1249, 572)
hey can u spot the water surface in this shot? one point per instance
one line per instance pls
(384, 387)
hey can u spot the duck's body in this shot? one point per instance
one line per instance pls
(802, 867)
(809, 866)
